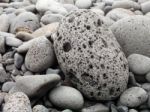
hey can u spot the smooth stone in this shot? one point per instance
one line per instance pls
(147, 110)
(39, 108)
(145, 7)
(66, 1)
(4, 23)
(127, 34)
(36, 85)
(83, 4)
(52, 71)
(142, 1)
(24, 36)
(18, 60)
(51, 18)
(47, 29)
(133, 110)
(7, 86)
(132, 81)
(25, 21)
(67, 110)
(134, 66)
(17, 102)
(70, 7)
(3, 75)
(5, 1)
(66, 97)
(10, 39)
(146, 86)
(40, 56)
(30, 8)
(2, 44)
(138, 12)
(96, 108)
(113, 108)
(126, 4)
(148, 77)
(133, 97)
(28, 73)
(100, 59)
(119, 13)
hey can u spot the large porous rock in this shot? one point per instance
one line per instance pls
(90, 56)
(40, 55)
(133, 34)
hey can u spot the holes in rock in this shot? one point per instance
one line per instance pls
(92, 56)
(91, 93)
(105, 76)
(66, 47)
(104, 85)
(59, 38)
(111, 91)
(99, 22)
(105, 43)
(118, 89)
(70, 20)
(99, 93)
(90, 43)
(102, 66)
(84, 46)
(88, 27)
(90, 66)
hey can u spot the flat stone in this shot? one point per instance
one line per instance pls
(39, 108)
(7, 86)
(66, 97)
(146, 86)
(24, 36)
(83, 4)
(3, 75)
(4, 23)
(145, 7)
(36, 85)
(18, 60)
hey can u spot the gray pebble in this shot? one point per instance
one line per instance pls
(133, 97)
(3, 75)
(40, 55)
(39, 108)
(70, 7)
(24, 36)
(148, 77)
(66, 97)
(146, 86)
(133, 110)
(2, 44)
(83, 4)
(4, 23)
(7, 86)
(145, 7)
(18, 60)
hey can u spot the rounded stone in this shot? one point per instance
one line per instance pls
(133, 97)
(146, 86)
(83, 4)
(127, 33)
(139, 64)
(25, 21)
(18, 60)
(66, 97)
(2, 44)
(40, 108)
(133, 110)
(17, 102)
(7, 86)
(148, 77)
(40, 55)
(145, 7)
(90, 56)
(119, 13)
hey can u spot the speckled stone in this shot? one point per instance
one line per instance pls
(17, 102)
(127, 33)
(90, 56)
(40, 55)
(133, 97)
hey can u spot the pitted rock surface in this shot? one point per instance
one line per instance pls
(90, 56)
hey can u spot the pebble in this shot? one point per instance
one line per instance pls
(98, 11)
(7, 86)
(2, 44)
(119, 13)
(145, 7)
(148, 77)
(40, 108)
(35, 85)
(4, 23)
(66, 97)
(133, 97)
(51, 18)
(134, 66)
(96, 108)
(17, 102)
(10, 39)
(146, 86)
(127, 33)
(41, 49)
(24, 36)
(25, 21)
(83, 4)
(18, 60)
(66, 1)
(70, 7)
(67, 110)
(88, 51)
(122, 109)
(52, 71)
(47, 29)
(133, 110)
(126, 4)
(3, 75)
